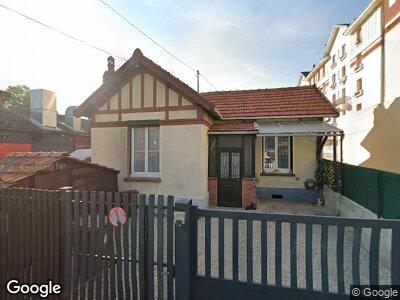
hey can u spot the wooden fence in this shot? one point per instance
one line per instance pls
(30, 236)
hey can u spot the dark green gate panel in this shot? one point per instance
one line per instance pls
(390, 195)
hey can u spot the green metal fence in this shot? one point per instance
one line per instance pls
(376, 190)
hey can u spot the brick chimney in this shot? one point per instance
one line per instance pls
(44, 107)
(110, 68)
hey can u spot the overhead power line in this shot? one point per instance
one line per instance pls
(61, 32)
(88, 44)
(154, 41)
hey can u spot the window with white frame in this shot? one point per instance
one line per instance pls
(145, 156)
(277, 154)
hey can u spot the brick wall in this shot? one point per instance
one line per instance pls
(212, 191)
(249, 194)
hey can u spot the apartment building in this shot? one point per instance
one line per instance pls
(360, 73)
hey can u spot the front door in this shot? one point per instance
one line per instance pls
(229, 181)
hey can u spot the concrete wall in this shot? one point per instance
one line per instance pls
(304, 166)
(346, 208)
(183, 160)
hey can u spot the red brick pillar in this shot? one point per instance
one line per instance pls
(212, 191)
(249, 194)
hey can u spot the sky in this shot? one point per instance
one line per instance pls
(235, 44)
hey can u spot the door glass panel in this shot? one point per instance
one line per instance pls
(269, 152)
(235, 165)
(283, 152)
(224, 171)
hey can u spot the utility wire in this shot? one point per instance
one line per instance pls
(154, 41)
(61, 32)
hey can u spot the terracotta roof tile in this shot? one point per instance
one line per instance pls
(230, 126)
(290, 101)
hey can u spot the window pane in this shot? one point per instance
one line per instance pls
(283, 152)
(235, 167)
(139, 149)
(154, 150)
(269, 153)
(224, 171)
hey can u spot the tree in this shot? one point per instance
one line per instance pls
(20, 96)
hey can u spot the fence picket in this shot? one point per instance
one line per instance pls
(133, 245)
(264, 252)
(118, 250)
(92, 244)
(249, 243)
(356, 255)
(221, 248)
(142, 247)
(66, 202)
(170, 247)
(84, 249)
(324, 258)
(160, 246)
(150, 247)
(235, 250)
(110, 248)
(395, 257)
(75, 244)
(101, 261)
(374, 256)
(293, 255)
(125, 238)
(58, 235)
(340, 258)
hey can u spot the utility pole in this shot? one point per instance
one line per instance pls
(198, 80)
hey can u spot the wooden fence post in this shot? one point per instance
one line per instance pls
(182, 252)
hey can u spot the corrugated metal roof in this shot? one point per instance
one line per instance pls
(20, 165)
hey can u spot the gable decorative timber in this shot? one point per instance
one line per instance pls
(137, 83)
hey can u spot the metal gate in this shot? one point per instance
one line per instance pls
(243, 255)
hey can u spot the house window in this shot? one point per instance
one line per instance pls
(359, 89)
(145, 151)
(323, 70)
(343, 51)
(343, 93)
(333, 80)
(333, 61)
(277, 154)
(343, 71)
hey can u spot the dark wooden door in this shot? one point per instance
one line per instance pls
(230, 181)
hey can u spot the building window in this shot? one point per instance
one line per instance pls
(145, 151)
(359, 106)
(359, 87)
(323, 71)
(358, 64)
(343, 94)
(358, 36)
(333, 61)
(343, 71)
(333, 81)
(343, 51)
(277, 154)
(334, 98)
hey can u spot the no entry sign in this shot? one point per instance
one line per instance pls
(117, 214)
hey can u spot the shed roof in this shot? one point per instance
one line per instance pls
(20, 165)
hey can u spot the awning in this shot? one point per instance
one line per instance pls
(297, 128)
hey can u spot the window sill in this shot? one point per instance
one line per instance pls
(358, 68)
(343, 57)
(333, 65)
(142, 179)
(277, 174)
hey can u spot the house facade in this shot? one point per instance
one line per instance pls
(226, 148)
(359, 74)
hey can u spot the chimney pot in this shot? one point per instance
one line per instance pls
(110, 64)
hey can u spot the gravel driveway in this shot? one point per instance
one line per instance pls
(364, 260)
